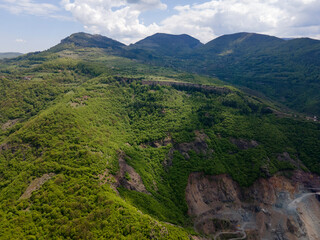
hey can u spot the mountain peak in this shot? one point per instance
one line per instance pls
(167, 44)
(82, 39)
(241, 41)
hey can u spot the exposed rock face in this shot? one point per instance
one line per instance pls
(285, 157)
(244, 144)
(199, 145)
(128, 177)
(160, 143)
(274, 208)
(36, 185)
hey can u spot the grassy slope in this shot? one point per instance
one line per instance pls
(77, 132)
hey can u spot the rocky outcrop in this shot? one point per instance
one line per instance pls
(128, 177)
(189, 86)
(274, 208)
(159, 143)
(9, 124)
(199, 145)
(285, 157)
(244, 144)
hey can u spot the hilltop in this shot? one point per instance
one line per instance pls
(167, 44)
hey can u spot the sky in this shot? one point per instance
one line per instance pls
(30, 25)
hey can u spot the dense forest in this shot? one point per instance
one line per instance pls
(286, 71)
(77, 124)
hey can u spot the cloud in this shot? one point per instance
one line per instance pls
(115, 18)
(119, 19)
(29, 7)
(275, 17)
(147, 4)
(20, 40)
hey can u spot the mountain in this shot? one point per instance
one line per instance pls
(167, 44)
(285, 71)
(240, 43)
(305, 51)
(88, 40)
(94, 145)
(85, 40)
(9, 55)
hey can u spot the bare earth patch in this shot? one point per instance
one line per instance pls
(9, 124)
(126, 177)
(36, 185)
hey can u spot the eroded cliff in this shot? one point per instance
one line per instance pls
(273, 208)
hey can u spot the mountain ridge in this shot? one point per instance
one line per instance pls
(283, 70)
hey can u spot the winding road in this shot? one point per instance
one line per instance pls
(240, 230)
(293, 204)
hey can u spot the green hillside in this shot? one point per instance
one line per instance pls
(90, 148)
(285, 71)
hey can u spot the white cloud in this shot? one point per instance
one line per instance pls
(119, 19)
(146, 4)
(275, 17)
(20, 40)
(29, 7)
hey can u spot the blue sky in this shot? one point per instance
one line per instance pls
(30, 25)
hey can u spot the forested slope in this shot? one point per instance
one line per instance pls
(286, 71)
(88, 151)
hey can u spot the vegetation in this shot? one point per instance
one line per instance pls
(166, 44)
(72, 111)
(286, 71)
